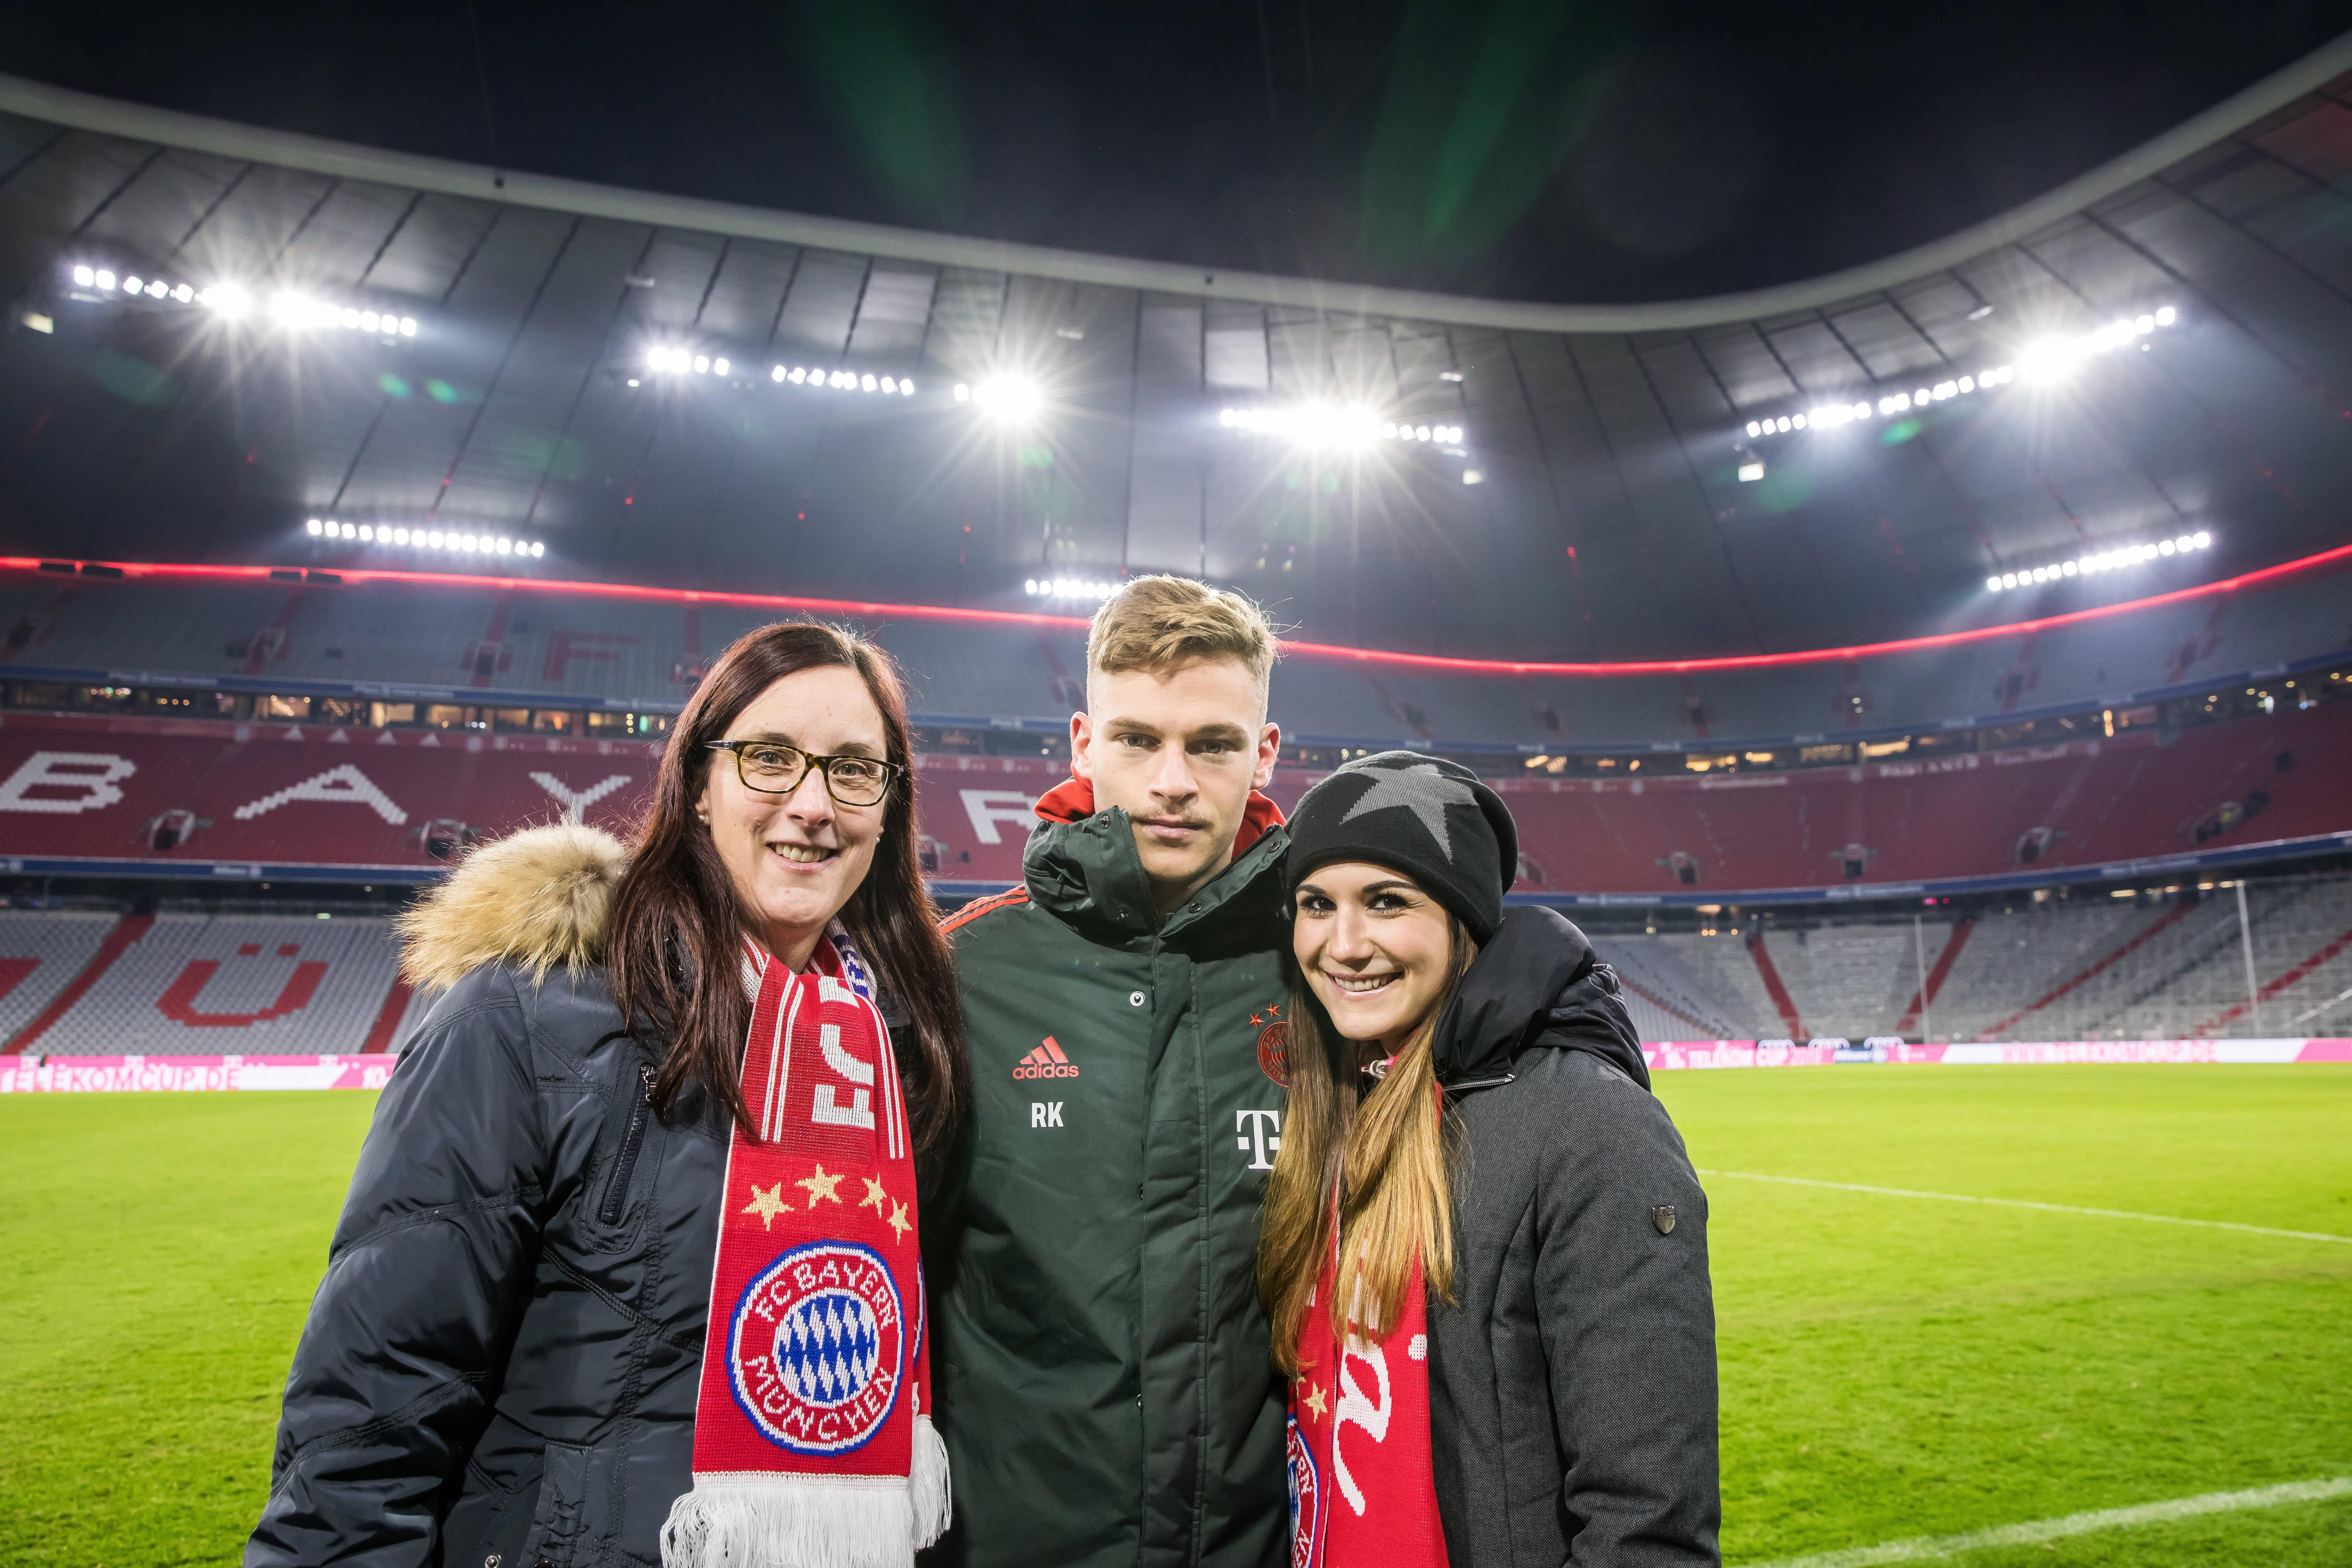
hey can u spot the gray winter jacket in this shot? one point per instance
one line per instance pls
(1572, 1392)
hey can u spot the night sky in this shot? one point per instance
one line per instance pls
(1517, 148)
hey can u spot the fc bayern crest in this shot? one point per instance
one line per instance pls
(818, 1347)
(1274, 1052)
(1306, 1499)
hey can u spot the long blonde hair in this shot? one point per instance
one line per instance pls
(1386, 1153)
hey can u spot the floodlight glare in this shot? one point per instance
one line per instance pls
(1009, 399)
(314, 527)
(104, 280)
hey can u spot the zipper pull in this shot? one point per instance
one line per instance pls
(645, 1074)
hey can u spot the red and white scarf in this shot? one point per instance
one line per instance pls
(812, 1439)
(1362, 1490)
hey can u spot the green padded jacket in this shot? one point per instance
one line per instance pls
(1100, 1357)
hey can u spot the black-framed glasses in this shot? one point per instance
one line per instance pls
(774, 768)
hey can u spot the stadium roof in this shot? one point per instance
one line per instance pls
(1599, 501)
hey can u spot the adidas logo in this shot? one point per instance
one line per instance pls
(1045, 1061)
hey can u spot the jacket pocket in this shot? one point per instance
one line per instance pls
(624, 1160)
(568, 1527)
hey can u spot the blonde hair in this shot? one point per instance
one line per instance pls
(1387, 1155)
(1157, 622)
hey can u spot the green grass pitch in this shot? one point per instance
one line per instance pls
(1893, 1367)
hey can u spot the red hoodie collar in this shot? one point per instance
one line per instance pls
(1073, 800)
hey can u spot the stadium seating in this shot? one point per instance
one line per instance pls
(183, 984)
(1675, 995)
(191, 984)
(619, 648)
(256, 794)
(40, 954)
(2059, 970)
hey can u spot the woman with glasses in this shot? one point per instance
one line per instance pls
(629, 1266)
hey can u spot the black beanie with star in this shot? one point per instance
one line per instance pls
(1431, 819)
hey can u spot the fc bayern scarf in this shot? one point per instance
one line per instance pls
(813, 1439)
(1362, 1489)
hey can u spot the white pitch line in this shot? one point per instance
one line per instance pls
(1929, 1547)
(2027, 1204)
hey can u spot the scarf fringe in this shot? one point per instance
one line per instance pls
(785, 1522)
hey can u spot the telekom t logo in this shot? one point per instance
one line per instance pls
(1261, 1136)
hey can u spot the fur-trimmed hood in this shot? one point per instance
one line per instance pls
(535, 898)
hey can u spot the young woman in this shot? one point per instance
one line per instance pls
(628, 1269)
(1485, 1251)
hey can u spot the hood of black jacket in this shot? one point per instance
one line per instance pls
(1536, 984)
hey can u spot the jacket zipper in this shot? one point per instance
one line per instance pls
(632, 1138)
(1479, 1083)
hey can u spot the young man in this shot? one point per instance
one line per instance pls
(1105, 1384)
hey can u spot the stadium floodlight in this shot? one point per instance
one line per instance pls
(2051, 360)
(777, 374)
(384, 534)
(1750, 472)
(84, 278)
(702, 364)
(103, 279)
(1068, 588)
(2110, 560)
(1333, 427)
(1009, 399)
(1861, 409)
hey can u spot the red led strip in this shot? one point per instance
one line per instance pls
(2340, 555)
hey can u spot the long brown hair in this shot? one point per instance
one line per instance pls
(672, 953)
(1388, 1155)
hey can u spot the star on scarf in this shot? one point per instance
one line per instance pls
(819, 1185)
(767, 1205)
(1315, 1400)
(898, 1221)
(875, 1196)
(1423, 789)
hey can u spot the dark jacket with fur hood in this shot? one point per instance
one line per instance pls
(500, 1366)
(1572, 1392)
